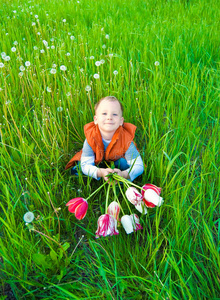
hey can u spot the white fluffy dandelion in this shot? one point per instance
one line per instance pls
(92, 57)
(28, 217)
(53, 71)
(115, 72)
(156, 63)
(88, 88)
(63, 68)
(27, 63)
(45, 43)
(2, 65)
(97, 63)
(107, 36)
(72, 37)
(22, 68)
(7, 58)
(42, 51)
(49, 89)
(102, 61)
(21, 74)
(15, 43)
(52, 47)
(96, 76)
(13, 49)
(59, 109)
(64, 20)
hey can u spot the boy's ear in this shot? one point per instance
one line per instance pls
(122, 121)
(95, 120)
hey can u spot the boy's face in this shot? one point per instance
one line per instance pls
(108, 117)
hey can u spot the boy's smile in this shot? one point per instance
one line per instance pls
(108, 117)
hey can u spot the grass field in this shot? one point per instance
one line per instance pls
(162, 60)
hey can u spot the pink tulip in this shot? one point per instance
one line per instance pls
(107, 225)
(136, 222)
(152, 187)
(133, 195)
(78, 206)
(114, 209)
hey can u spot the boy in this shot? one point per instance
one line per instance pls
(109, 139)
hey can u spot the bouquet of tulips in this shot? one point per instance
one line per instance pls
(148, 197)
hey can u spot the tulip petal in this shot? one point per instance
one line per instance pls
(81, 210)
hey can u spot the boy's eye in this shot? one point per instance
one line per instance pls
(104, 113)
(114, 114)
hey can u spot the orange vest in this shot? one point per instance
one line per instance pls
(119, 144)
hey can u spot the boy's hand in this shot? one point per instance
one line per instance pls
(123, 174)
(103, 172)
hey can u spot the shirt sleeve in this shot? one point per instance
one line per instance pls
(88, 161)
(134, 160)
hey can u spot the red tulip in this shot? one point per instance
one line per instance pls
(152, 187)
(78, 206)
(107, 225)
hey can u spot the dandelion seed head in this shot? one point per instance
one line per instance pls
(64, 20)
(36, 16)
(115, 72)
(49, 90)
(7, 58)
(97, 63)
(68, 94)
(15, 43)
(81, 70)
(27, 63)
(22, 68)
(38, 33)
(45, 43)
(63, 68)
(72, 37)
(92, 57)
(2, 65)
(21, 74)
(33, 23)
(107, 36)
(156, 63)
(103, 46)
(28, 217)
(53, 71)
(110, 55)
(96, 76)
(88, 88)
(68, 54)
(13, 49)
(59, 109)
(52, 47)
(102, 61)
(42, 51)
(35, 48)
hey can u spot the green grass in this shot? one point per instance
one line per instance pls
(175, 107)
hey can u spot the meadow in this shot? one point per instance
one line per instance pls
(161, 59)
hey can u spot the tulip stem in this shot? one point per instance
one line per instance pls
(116, 197)
(125, 181)
(107, 196)
(97, 190)
(125, 199)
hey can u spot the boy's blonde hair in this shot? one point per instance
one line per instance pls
(109, 98)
